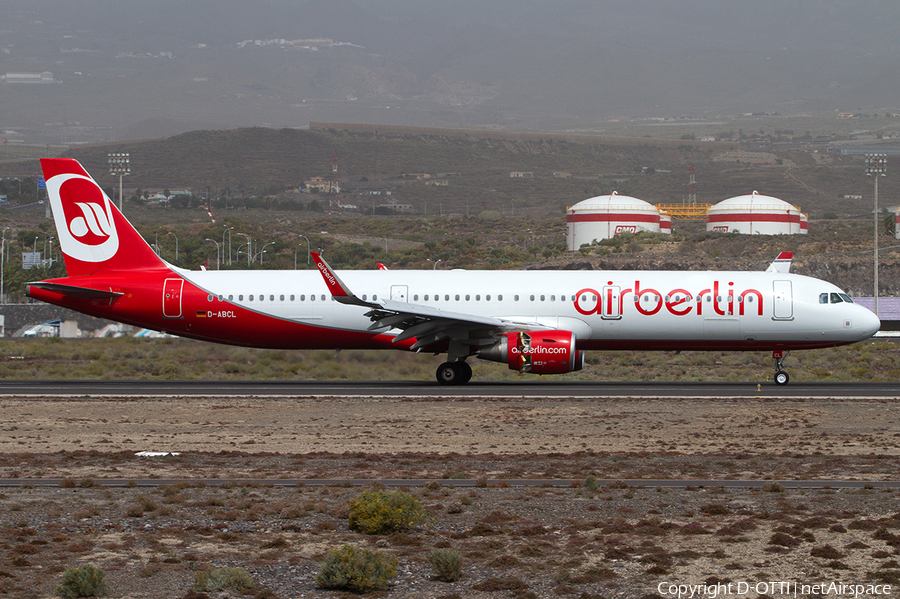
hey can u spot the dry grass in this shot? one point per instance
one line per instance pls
(128, 358)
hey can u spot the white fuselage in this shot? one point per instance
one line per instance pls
(652, 309)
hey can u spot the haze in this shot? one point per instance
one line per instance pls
(146, 68)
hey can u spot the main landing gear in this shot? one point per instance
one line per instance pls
(454, 373)
(781, 377)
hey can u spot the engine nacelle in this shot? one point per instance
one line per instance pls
(538, 352)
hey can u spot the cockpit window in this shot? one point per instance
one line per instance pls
(823, 298)
(846, 298)
(836, 298)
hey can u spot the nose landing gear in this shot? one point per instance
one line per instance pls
(781, 377)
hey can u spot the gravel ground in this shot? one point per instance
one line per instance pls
(615, 541)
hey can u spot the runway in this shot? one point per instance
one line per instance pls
(531, 388)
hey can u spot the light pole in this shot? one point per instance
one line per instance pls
(46, 239)
(227, 230)
(238, 252)
(435, 263)
(385, 244)
(247, 237)
(307, 252)
(176, 244)
(2, 262)
(217, 252)
(156, 240)
(263, 251)
(876, 166)
(119, 164)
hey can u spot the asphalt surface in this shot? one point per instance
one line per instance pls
(518, 482)
(531, 388)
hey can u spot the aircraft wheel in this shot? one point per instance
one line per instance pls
(465, 372)
(454, 373)
(448, 374)
(781, 378)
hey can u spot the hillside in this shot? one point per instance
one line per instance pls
(262, 161)
(482, 218)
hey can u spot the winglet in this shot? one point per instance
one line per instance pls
(382, 266)
(339, 290)
(782, 263)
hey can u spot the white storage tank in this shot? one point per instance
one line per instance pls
(755, 214)
(604, 217)
(665, 222)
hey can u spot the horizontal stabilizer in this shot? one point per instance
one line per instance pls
(72, 291)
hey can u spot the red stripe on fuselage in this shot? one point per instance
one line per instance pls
(222, 322)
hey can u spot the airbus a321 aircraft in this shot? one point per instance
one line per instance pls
(540, 322)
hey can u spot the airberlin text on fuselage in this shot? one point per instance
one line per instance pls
(679, 302)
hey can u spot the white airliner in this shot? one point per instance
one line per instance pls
(534, 321)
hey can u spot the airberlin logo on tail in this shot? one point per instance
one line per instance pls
(84, 218)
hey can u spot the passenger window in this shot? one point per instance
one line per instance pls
(374, 298)
(487, 298)
(426, 297)
(552, 298)
(323, 297)
(303, 298)
(292, 297)
(241, 298)
(230, 298)
(477, 298)
(312, 298)
(467, 297)
(457, 297)
(516, 298)
(823, 298)
(251, 298)
(209, 297)
(543, 297)
(446, 298)
(499, 298)
(416, 297)
(282, 297)
(836, 299)
(532, 298)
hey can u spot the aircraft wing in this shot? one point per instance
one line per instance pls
(428, 325)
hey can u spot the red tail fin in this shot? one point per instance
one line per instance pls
(93, 234)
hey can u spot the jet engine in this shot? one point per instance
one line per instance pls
(538, 352)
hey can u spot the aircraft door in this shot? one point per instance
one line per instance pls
(610, 303)
(172, 289)
(399, 293)
(783, 299)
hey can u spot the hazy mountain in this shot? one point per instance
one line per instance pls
(163, 66)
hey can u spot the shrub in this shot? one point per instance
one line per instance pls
(356, 569)
(591, 484)
(447, 564)
(220, 579)
(380, 512)
(773, 487)
(83, 582)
